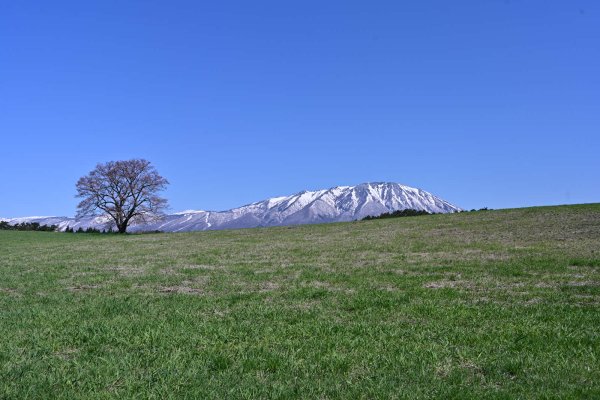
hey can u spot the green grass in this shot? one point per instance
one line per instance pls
(496, 304)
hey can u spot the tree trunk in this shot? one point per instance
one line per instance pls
(122, 228)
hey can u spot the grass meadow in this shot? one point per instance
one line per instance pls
(490, 304)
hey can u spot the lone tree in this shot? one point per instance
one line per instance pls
(126, 191)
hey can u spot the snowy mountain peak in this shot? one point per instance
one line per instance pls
(336, 204)
(185, 212)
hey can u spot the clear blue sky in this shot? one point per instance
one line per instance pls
(484, 102)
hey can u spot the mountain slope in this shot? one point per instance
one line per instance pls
(341, 203)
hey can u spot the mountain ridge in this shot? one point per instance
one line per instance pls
(336, 204)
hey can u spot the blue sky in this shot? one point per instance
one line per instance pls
(485, 103)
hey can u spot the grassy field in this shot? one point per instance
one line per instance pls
(490, 304)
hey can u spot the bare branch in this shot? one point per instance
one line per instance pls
(126, 191)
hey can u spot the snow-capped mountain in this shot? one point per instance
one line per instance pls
(341, 203)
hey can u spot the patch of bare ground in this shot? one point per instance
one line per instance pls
(114, 385)
(204, 267)
(412, 272)
(127, 271)
(191, 286)
(66, 353)
(177, 270)
(220, 313)
(557, 284)
(545, 285)
(498, 301)
(583, 283)
(483, 285)
(10, 291)
(180, 289)
(27, 271)
(388, 288)
(306, 305)
(444, 284)
(446, 367)
(583, 268)
(328, 286)
(203, 279)
(170, 271)
(588, 299)
(83, 273)
(587, 296)
(532, 301)
(268, 286)
(463, 255)
(80, 288)
(264, 271)
(288, 276)
(367, 259)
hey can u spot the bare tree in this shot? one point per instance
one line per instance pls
(126, 191)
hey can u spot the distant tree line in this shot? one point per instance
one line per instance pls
(110, 230)
(27, 226)
(36, 226)
(409, 212)
(68, 229)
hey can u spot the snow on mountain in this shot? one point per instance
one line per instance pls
(341, 203)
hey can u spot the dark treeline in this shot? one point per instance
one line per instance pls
(35, 226)
(398, 213)
(110, 230)
(88, 230)
(27, 226)
(409, 212)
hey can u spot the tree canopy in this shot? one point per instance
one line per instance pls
(126, 191)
